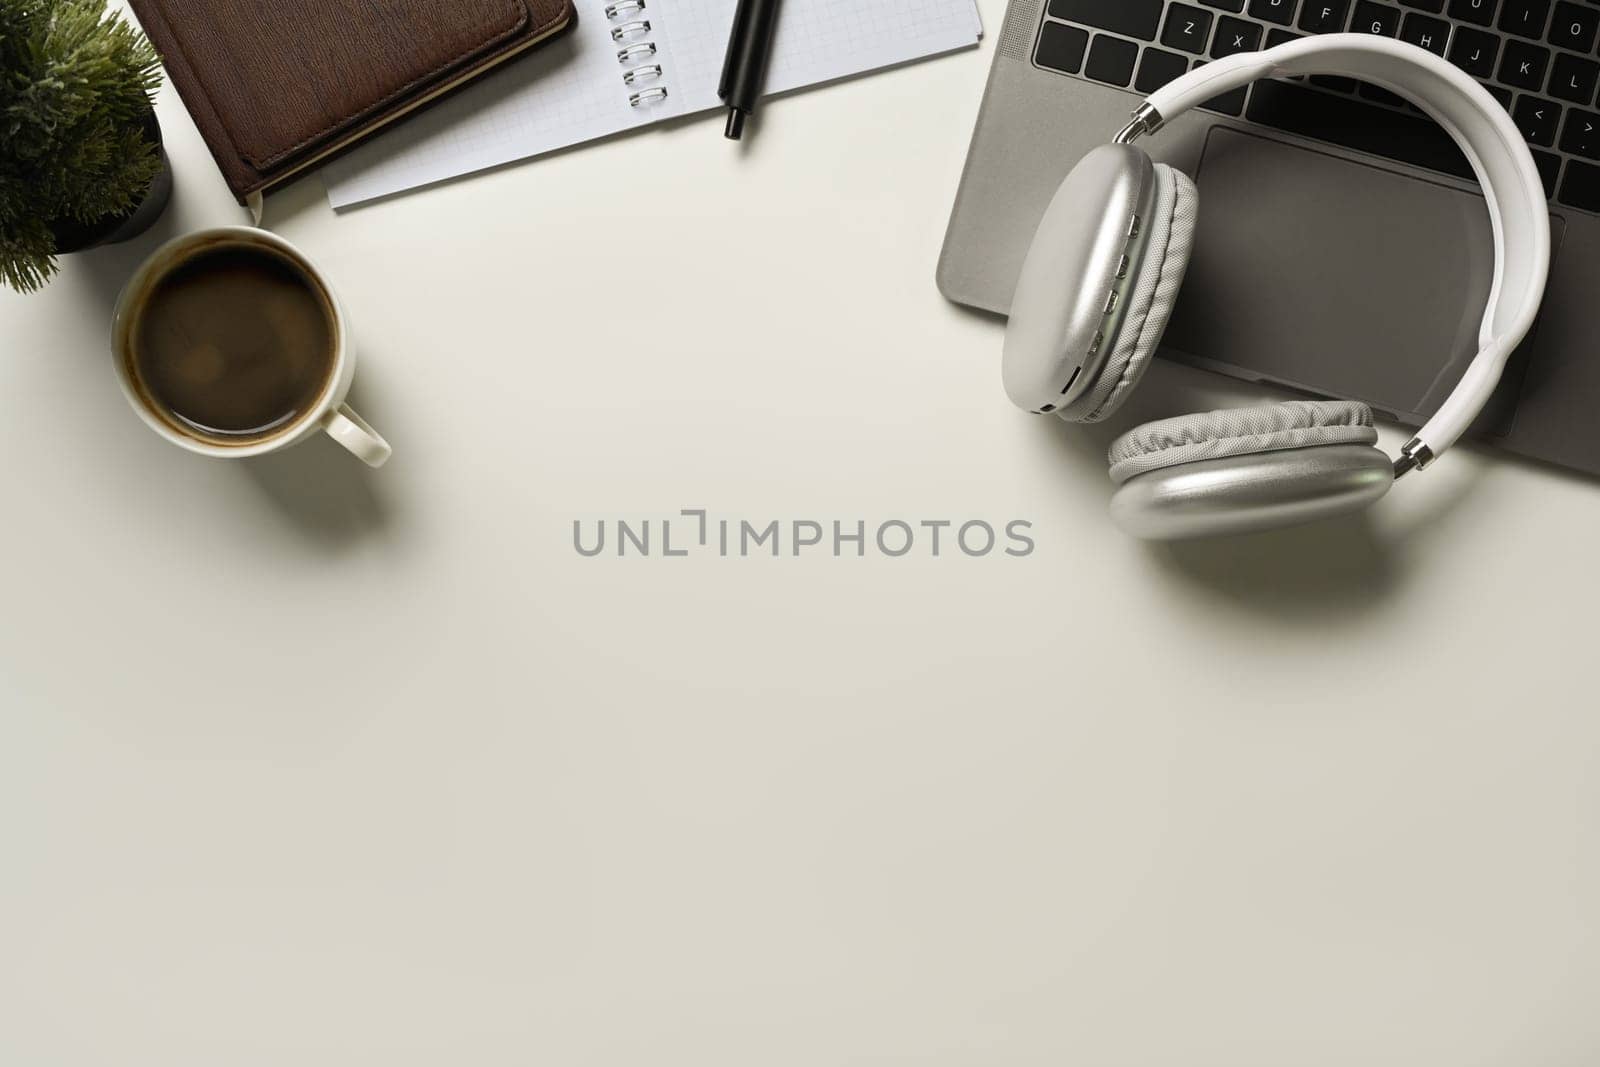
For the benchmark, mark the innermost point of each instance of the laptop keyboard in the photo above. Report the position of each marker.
(1539, 58)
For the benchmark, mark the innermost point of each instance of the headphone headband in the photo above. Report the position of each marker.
(1500, 159)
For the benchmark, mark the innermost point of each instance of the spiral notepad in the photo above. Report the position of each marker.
(639, 56)
(631, 63)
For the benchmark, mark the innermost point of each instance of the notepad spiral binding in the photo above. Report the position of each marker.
(630, 28)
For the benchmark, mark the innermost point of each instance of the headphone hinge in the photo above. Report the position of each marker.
(1414, 456)
(1146, 119)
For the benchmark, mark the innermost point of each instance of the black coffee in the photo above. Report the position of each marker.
(234, 344)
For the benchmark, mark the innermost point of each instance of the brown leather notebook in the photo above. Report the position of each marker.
(278, 86)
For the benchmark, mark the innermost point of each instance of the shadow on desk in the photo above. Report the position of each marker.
(108, 268)
(331, 499)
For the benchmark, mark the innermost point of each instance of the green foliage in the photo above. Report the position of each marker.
(75, 87)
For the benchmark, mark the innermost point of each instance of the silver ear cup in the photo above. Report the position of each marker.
(1151, 293)
(1242, 494)
(1072, 294)
(1227, 472)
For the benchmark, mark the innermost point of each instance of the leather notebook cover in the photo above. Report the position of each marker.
(278, 86)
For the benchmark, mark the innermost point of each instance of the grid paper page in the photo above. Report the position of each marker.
(817, 40)
(571, 90)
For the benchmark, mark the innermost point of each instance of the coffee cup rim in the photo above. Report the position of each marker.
(164, 259)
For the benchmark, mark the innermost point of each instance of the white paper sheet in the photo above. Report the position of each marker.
(571, 90)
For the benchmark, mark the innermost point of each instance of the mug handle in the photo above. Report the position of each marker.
(352, 431)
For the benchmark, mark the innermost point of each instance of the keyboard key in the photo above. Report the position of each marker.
(1549, 165)
(1375, 18)
(1425, 32)
(1334, 82)
(1157, 68)
(1581, 187)
(1235, 6)
(1379, 94)
(1537, 119)
(1399, 135)
(1525, 17)
(1474, 51)
(1110, 60)
(1523, 65)
(1500, 93)
(1480, 12)
(1061, 47)
(1187, 28)
(1574, 27)
(1279, 11)
(1131, 18)
(1574, 79)
(1234, 36)
(1229, 103)
(1324, 16)
(1434, 6)
(1580, 135)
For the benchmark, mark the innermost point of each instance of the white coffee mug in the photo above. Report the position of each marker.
(329, 414)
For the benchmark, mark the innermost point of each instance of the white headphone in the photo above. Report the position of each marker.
(1104, 269)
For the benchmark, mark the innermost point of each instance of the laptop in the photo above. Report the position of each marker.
(1343, 248)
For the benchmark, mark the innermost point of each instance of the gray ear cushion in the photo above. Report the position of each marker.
(1150, 303)
(1239, 432)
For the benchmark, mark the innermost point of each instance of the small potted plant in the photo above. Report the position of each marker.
(81, 160)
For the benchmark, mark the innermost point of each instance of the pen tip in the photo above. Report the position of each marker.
(735, 129)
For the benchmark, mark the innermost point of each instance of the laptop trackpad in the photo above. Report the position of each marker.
(1335, 277)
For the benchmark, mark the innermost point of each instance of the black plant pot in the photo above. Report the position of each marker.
(74, 236)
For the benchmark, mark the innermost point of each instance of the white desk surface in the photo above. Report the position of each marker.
(305, 764)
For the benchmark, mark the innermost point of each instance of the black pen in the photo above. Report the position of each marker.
(745, 69)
